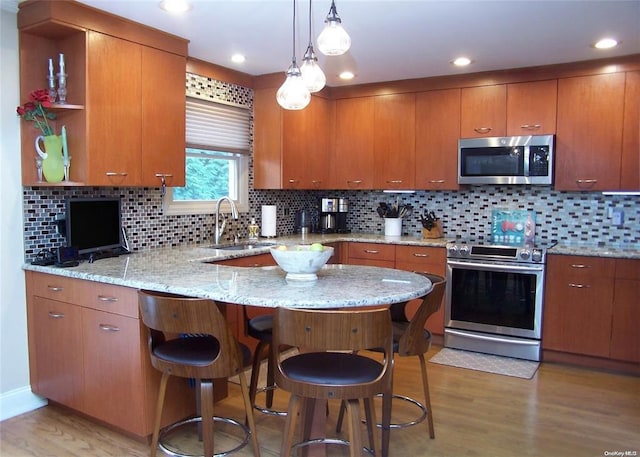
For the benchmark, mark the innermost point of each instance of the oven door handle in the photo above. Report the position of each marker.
(493, 338)
(493, 266)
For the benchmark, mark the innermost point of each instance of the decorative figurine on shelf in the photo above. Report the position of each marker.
(34, 111)
(53, 93)
(431, 225)
(62, 82)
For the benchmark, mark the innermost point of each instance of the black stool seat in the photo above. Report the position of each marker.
(331, 368)
(261, 327)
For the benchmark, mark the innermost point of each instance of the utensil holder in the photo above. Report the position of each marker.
(392, 226)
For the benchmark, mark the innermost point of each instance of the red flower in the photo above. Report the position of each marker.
(34, 110)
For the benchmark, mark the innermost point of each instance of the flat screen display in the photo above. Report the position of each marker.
(93, 225)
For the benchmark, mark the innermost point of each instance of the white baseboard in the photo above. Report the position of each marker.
(19, 401)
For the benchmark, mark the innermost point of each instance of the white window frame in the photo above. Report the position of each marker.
(240, 161)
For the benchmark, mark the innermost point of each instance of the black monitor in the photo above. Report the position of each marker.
(94, 225)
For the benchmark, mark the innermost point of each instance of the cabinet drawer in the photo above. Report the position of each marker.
(628, 269)
(372, 251)
(420, 254)
(107, 297)
(581, 269)
(53, 287)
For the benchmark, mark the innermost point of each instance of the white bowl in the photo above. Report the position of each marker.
(300, 262)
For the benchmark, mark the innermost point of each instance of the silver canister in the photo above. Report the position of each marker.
(343, 205)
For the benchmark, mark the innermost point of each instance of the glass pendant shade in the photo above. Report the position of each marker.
(333, 40)
(293, 94)
(312, 74)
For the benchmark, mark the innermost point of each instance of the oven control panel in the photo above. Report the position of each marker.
(463, 250)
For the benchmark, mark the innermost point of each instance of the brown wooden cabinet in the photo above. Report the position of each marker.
(531, 108)
(630, 169)
(88, 351)
(374, 254)
(578, 305)
(437, 134)
(119, 75)
(589, 132)
(625, 338)
(267, 140)
(353, 164)
(483, 111)
(394, 141)
(422, 259)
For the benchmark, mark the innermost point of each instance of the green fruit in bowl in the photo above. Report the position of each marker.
(316, 247)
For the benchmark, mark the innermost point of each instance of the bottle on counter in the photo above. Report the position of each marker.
(253, 230)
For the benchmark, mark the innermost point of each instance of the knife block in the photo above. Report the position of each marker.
(435, 232)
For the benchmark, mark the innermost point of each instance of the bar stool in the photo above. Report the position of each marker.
(208, 351)
(330, 367)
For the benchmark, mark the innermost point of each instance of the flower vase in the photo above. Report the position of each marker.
(52, 160)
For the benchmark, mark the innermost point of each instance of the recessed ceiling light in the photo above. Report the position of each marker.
(238, 58)
(175, 6)
(461, 61)
(605, 43)
(346, 75)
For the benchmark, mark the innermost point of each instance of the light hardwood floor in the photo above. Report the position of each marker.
(562, 411)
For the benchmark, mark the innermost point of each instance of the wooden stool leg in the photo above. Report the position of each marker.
(159, 406)
(255, 372)
(355, 437)
(248, 409)
(427, 397)
(290, 425)
(206, 406)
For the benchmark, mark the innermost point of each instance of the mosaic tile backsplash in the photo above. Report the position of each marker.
(565, 217)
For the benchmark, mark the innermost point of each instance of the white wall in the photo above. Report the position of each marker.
(15, 393)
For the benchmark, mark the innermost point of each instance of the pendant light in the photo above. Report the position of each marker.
(293, 94)
(333, 40)
(312, 74)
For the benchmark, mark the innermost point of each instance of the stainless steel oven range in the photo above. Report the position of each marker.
(494, 298)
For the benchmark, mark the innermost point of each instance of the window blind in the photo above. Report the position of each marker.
(216, 126)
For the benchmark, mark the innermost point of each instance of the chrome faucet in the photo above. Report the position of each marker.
(234, 212)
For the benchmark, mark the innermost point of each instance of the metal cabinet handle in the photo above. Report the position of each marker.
(108, 299)
(416, 254)
(293, 181)
(115, 173)
(55, 315)
(530, 126)
(55, 288)
(355, 181)
(586, 181)
(372, 251)
(436, 181)
(579, 286)
(108, 328)
(483, 129)
(580, 265)
(164, 175)
(395, 181)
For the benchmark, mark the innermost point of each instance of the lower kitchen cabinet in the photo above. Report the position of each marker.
(591, 307)
(88, 351)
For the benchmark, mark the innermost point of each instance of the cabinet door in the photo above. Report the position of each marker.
(531, 108)
(56, 351)
(625, 338)
(163, 118)
(437, 134)
(114, 137)
(578, 305)
(423, 260)
(114, 386)
(589, 132)
(306, 149)
(483, 111)
(267, 140)
(630, 170)
(353, 162)
(394, 141)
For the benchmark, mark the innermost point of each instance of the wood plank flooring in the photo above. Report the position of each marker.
(562, 411)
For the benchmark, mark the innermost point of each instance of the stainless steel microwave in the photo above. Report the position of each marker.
(506, 160)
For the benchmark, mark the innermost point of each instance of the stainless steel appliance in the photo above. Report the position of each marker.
(494, 298)
(333, 215)
(305, 221)
(506, 160)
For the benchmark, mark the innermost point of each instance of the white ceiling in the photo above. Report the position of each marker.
(397, 39)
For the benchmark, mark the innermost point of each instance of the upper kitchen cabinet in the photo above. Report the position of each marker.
(125, 109)
(630, 170)
(353, 162)
(394, 141)
(267, 140)
(531, 108)
(437, 134)
(483, 111)
(307, 145)
(589, 132)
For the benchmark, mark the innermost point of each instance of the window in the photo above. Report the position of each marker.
(217, 158)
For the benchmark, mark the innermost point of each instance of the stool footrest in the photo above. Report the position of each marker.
(327, 441)
(416, 421)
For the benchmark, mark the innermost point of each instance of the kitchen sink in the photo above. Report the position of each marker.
(241, 246)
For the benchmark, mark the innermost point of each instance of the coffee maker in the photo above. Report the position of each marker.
(333, 215)
(305, 221)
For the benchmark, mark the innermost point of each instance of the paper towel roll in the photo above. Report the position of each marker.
(268, 220)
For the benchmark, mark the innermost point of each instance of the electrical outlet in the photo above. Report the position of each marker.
(617, 217)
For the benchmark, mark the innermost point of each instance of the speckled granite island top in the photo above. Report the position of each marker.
(188, 270)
